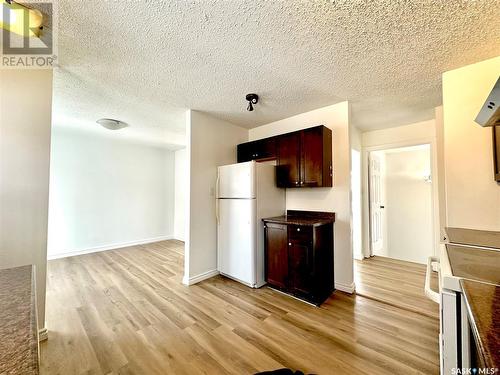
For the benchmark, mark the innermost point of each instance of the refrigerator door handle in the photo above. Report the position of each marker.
(217, 182)
(217, 211)
(217, 199)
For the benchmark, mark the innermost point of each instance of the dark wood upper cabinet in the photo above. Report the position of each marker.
(304, 157)
(245, 152)
(276, 254)
(288, 171)
(261, 150)
(316, 165)
(312, 160)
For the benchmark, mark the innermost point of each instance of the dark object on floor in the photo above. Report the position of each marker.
(281, 371)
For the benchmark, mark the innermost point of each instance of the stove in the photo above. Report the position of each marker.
(471, 255)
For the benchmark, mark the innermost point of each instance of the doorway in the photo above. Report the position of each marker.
(398, 210)
(401, 203)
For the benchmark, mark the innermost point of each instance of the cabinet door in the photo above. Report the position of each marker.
(300, 260)
(267, 149)
(300, 268)
(276, 255)
(263, 149)
(244, 152)
(288, 171)
(312, 157)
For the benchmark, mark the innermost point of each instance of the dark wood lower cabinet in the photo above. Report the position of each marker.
(276, 255)
(300, 269)
(299, 259)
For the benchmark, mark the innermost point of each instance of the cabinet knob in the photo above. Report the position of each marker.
(298, 229)
(296, 182)
(289, 244)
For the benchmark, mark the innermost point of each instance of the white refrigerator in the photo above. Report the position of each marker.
(246, 193)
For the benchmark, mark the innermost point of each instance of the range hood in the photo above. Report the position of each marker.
(489, 115)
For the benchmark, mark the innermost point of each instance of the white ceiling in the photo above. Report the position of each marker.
(145, 62)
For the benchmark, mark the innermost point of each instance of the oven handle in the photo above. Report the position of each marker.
(432, 295)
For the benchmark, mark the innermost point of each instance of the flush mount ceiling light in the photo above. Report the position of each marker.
(111, 124)
(252, 99)
(20, 19)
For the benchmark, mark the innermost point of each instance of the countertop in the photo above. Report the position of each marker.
(18, 321)
(308, 218)
(483, 303)
(474, 263)
(473, 237)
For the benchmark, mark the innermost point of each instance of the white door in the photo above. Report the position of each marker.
(376, 205)
(236, 180)
(236, 239)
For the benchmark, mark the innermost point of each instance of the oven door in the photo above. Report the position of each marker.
(454, 340)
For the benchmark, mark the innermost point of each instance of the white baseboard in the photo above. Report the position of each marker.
(347, 288)
(108, 247)
(200, 277)
(358, 256)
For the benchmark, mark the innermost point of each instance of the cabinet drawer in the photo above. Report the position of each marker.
(300, 234)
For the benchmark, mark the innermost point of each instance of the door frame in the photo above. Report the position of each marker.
(366, 243)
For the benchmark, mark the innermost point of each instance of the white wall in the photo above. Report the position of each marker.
(211, 143)
(407, 135)
(408, 204)
(107, 193)
(419, 132)
(472, 195)
(25, 118)
(181, 172)
(336, 199)
(356, 193)
(356, 221)
(441, 171)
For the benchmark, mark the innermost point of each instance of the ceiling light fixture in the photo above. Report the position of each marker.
(252, 99)
(112, 124)
(20, 19)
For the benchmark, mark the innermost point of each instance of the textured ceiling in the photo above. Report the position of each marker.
(145, 62)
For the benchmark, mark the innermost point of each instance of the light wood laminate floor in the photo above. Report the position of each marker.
(395, 282)
(126, 312)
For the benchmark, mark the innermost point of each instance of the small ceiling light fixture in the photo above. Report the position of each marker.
(252, 99)
(112, 124)
(19, 19)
